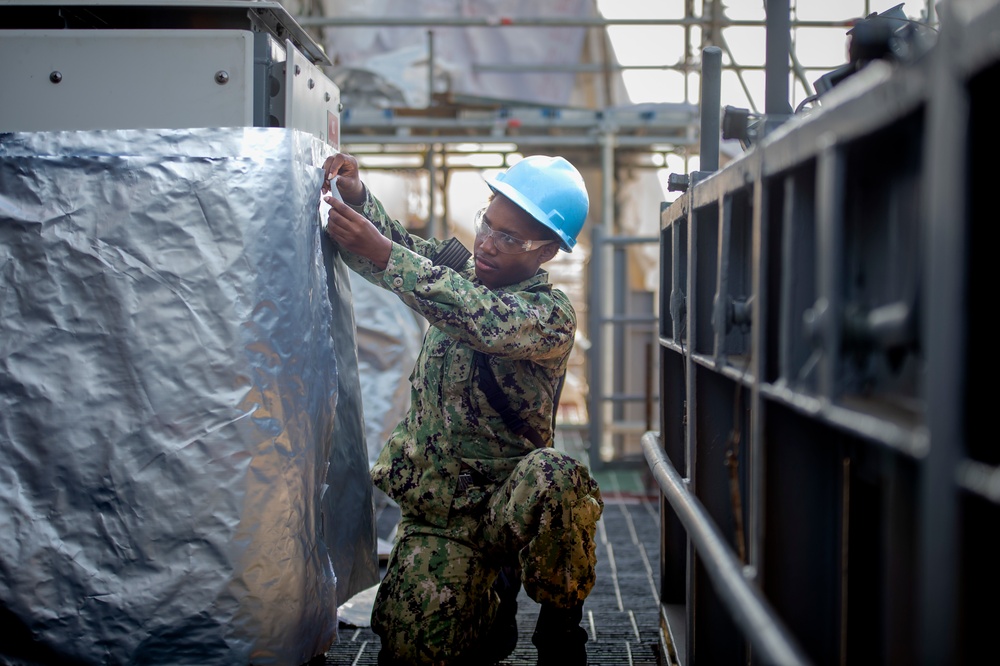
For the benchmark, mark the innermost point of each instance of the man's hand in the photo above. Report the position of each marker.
(352, 190)
(355, 233)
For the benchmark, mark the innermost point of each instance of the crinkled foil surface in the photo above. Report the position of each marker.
(183, 466)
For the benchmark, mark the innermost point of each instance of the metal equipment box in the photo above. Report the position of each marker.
(144, 65)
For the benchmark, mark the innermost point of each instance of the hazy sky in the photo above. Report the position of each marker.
(818, 49)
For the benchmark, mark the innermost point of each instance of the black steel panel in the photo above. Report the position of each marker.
(803, 530)
(720, 484)
(982, 215)
(665, 327)
(705, 240)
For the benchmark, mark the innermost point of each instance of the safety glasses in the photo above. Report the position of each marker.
(505, 242)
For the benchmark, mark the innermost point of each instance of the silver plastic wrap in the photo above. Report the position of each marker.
(183, 466)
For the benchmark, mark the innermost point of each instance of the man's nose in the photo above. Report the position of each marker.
(489, 239)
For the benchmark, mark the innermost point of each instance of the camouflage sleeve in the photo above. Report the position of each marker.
(391, 229)
(539, 324)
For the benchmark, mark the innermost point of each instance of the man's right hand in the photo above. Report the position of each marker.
(345, 166)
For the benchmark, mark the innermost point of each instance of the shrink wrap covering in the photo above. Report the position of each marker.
(183, 465)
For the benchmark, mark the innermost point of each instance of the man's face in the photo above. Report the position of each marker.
(497, 269)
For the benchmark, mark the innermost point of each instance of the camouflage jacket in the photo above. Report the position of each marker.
(526, 329)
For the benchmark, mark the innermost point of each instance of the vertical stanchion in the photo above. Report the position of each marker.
(711, 107)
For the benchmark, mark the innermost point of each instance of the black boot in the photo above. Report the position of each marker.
(502, 637)
(560, 639)
(387, 659)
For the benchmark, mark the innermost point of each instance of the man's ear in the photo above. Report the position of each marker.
(549, 251)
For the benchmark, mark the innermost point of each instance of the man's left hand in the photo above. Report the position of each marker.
(356, 233)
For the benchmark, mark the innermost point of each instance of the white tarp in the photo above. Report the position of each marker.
(463, 55)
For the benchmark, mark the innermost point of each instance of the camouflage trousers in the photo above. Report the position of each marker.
(436, 602)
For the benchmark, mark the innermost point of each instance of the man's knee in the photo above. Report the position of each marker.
(546, 471)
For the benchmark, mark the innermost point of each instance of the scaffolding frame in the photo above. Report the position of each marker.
(606, 139)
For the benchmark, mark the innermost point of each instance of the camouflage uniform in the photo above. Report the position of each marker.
(514, 501)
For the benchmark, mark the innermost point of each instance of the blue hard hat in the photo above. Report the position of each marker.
(551, 190)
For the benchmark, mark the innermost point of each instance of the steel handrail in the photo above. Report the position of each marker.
(772, 642)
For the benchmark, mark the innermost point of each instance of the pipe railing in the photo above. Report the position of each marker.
(771, 640)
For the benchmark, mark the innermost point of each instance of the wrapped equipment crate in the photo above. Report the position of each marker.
(183, 471)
